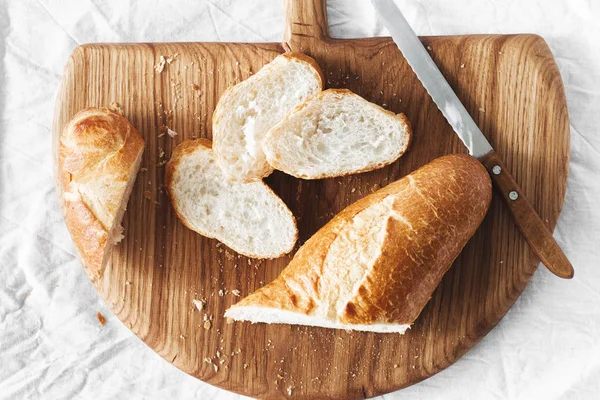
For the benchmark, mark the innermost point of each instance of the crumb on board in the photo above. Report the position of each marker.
(236, 292)
(199, 304)
(207, 324)
(101, 318)
(144, 169)
(375, 188)
(290, 389)
(221, 293)
(114, 106)
(171, 133)
(481, 109)
(148, 194)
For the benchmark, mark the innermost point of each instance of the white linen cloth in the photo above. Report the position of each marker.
(52, 346)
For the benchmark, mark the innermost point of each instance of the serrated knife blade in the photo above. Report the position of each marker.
(529, 222)
(432, 79)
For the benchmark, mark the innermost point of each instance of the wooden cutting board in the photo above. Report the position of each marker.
(509, 84)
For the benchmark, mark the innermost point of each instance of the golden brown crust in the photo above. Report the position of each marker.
(98, 151)
(440, 206)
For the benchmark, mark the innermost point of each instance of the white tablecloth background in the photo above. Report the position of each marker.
(52, 346)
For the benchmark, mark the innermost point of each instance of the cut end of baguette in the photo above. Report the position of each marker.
(375, 265)
(247, 217)
(247, 111)
(267, 315)
(336, 133)
(99, 156)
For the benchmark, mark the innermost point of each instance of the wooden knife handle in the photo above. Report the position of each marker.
(537, 234)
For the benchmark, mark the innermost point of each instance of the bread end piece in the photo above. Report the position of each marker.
(99, 156)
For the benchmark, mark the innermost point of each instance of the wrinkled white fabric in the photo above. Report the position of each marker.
(52, 346)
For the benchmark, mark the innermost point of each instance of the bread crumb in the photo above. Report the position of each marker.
(171, 133)
(208, 360)
(221, 292)
(181, 337)
(289, 390)
(148, 194)
(218, 353)
(353, 190)
(246, 366)
(215, 367)
(172, 58)
(161, 152)
(207, 324)
(161, 64)
(236, 292)
(462, 65)
(199, 304)
(481, 110)
(375, 188)
(114, 106)
(396, 365)
(143, 169)
(429, 48)
(101, 318)
(195, 86)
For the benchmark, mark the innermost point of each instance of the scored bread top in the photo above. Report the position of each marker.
(99, 155)
(380, 259)
(336, 133)
(247, 217)
(249, 109)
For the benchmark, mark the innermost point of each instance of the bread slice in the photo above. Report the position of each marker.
(336, 133)
(98, 160)
(248, 217)
(249, 109)
(376, 264)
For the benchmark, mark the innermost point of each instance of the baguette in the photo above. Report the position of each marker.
(99, 157)
(336, 133)
(249, 109)
(376, 264)
(247, 217)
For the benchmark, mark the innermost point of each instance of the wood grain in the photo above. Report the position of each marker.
(509, 84)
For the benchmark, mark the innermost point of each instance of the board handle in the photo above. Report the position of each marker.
(537, 234)
(305, 24)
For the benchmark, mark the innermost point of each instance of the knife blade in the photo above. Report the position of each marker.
(535, 232)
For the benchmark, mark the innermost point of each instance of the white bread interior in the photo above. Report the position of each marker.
(336, 133)
(247, 217)
(249, 109)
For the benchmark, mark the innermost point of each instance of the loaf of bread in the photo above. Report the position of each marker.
(249, 109)
(247, 217)
(336, 133)
(376, 264)
(98, 160)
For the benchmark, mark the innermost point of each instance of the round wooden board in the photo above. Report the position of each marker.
(509, 84)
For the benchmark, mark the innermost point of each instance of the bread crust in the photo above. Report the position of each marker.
(96, 145)
(344, 92)
(188, 147)
(441, 205)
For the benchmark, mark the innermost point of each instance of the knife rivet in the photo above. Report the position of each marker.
(496, 170)
(513, 195)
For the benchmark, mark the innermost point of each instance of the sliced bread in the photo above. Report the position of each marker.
(247, 217)
(376, 264)
(249, 109)
(98, 160)
(336, 133)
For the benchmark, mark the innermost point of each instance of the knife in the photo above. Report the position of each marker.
(536, 233)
